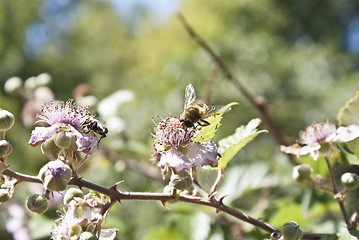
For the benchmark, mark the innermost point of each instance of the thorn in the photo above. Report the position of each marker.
(221, 200)
(164, 204)
(211, 196)
(114, 187)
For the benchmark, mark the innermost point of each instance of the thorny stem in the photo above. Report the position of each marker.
(21, 177)
(119, 196)
(258, 102)
(338, 196)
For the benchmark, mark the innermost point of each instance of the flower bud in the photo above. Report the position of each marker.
(4, 148)
(49, 148)
(4, 195)
(56, 183)
(71, 193)
(291, 231)
(55, 175)
(37, 203)
(350, 180)
(6, 120)
(12, 85)
(88, 236)
(64, 139)
(301, 172)
(75, 231)
(181, 181)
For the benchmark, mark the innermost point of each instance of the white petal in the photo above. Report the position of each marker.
(346, 134)
(108, 234)
(175, 159)
(203, 153)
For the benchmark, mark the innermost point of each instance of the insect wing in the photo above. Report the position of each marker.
(189, 96)
(217, 109)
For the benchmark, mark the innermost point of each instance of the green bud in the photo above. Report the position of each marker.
(4, 195)
(350, 180)
(291, 231)
(181, 181)
(37, 203)
(64, 139)
(88, 236)
(7, 120)
(75, 232)
(4, 148)
(71, 193)
(49, 148)
(55, 175)
(301, 172)
(53, 184)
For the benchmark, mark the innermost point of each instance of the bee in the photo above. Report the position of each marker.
(94, 125)
(196, 112)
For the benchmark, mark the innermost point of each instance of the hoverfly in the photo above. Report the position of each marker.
(196, 112)
(94, 125)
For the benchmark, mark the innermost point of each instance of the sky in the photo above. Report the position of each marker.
(58, 15)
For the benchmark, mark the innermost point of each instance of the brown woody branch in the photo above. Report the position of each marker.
(258, 102)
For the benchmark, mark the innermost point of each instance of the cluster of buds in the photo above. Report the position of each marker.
(7, 185)
(7, 120)
(64, 130)
(81, 219)
(63, 138)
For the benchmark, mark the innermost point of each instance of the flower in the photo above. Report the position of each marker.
(316, 138)
(84, 213)
(64, 117)
(173, 147)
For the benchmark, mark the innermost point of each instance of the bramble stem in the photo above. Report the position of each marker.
(21, 177)
(116, 195)
(336, 195)
(258, 102)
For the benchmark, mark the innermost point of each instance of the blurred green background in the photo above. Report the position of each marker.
(301, 56)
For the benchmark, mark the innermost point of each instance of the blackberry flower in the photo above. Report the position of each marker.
(83, 214)
(64, 117)
(316, 138)
(173, 147)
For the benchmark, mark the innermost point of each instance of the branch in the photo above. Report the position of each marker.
(21, 177)
(258, 102)
(338, 195)
(116, 195)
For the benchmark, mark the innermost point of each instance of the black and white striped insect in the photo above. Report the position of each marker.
(91, 124)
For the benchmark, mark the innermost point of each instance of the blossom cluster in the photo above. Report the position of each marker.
(65, 117)
(82, 216)
(316, 139)
(173, 148)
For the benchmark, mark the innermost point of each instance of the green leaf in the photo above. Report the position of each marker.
(349, 114)
(207, 132)
(230, 146)
(347, 158)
